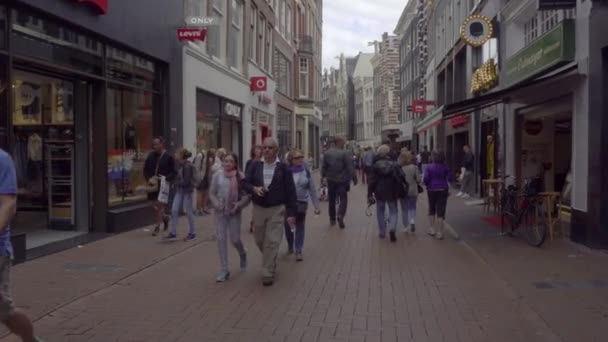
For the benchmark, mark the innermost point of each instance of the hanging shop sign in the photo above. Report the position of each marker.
(191, 34)
(485, 77)
(264, 99)
(419, 106)
(476, 30)
(459, 120)
(258, 83)
(533, 127)
(549, 51)
(548, 5)
(100, 5)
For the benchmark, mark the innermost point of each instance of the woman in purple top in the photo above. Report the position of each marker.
(437, 178)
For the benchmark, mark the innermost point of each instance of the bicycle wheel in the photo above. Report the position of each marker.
(534, 225)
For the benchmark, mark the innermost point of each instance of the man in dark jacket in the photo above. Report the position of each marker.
(337, 171)
(273, 191)
(159, 163)
(386, 186)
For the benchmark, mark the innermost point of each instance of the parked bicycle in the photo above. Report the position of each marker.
(524, 209)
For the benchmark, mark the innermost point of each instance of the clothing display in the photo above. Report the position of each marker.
(34, 147)
(28, 104)
(64, 103)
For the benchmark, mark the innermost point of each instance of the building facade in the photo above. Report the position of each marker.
(86, 99)
(387, 85)
(363, 81)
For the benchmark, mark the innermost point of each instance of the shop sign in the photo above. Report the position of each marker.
(459, 120)
(232, 109)
(533, 127)
(547, 5)
(258, 83)
(191, 34)
(419, 106)
(263, 98)
(100, 5)
(550, 50)
(430, 120)
(476, 30)
(484, 78)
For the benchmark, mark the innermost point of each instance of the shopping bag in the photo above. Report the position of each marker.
(165, 189)
(461, 176)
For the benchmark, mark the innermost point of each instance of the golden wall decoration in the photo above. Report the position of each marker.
(485, 77)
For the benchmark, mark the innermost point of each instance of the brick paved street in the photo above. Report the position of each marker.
(351, 287)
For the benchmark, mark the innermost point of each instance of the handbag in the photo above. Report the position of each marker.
(154, 181)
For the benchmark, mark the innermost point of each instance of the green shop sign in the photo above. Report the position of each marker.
(552, 49)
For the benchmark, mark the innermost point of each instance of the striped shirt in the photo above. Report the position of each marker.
(269, 172)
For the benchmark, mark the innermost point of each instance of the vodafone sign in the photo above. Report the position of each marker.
(100, 5)
(258, 83)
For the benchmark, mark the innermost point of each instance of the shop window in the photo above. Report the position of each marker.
(214, 33)
(207, 121)
(303, 77)
(282, 73)
(45, 39)
(129, 68)
(3, 23)
(252, 33)
(130, 123)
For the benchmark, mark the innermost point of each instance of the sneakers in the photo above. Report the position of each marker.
(243, 262)
(406, 230)
(156, 231)
(190, 237)
(459, 194)
(290, 251)
(222, 276)
(431, 232)
(170, 236)
(268, 281)
(299, 257)
(439, 236)
(332, 223)
(393, 236)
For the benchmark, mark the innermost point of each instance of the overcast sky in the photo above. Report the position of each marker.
(348, 25)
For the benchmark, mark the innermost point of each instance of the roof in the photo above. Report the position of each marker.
(351, 63)
(406, 16)
(364, 66)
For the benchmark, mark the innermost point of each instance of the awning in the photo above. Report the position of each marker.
(430, 120)
(490, 99)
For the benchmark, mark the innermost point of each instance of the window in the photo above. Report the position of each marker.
(267, 48)
(288, 24)
(303, 77)
(214, 33)
(281, 13)
(252, 34)
(261, 35)
(130, 130)
(235, 41)
(282, 73)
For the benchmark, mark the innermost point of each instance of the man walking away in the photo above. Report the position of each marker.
(466, 188)
(270, 182)
(368, 162)
(425, 157)
(17, 322)
(337, 170)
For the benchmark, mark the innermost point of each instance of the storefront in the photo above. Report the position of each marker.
(218, 123)
(457, 135)
(82, 111)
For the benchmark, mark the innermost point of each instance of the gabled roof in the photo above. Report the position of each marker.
(364, 66)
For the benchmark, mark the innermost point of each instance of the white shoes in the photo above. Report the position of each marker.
(459, 194)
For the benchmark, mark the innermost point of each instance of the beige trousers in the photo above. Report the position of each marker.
(268, 224)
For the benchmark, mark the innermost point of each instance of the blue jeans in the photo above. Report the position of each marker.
(185, 199)
(408, 209)
(299, 235)
(393, 215)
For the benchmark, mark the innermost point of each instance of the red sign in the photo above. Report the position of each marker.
(101, 5)
(191, 34)
(258, 83)
(459, 120)
(265, 99)
(533, 127)
(419, 106)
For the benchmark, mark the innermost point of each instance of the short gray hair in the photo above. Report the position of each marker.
(383, 150)
(271, 141)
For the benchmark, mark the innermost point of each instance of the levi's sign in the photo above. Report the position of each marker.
(549, 51)
(191, 34)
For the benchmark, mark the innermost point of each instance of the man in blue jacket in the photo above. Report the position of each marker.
(273, 191)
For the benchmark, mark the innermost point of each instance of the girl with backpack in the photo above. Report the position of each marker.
(305, 190)
(184, 183)
(228, 199)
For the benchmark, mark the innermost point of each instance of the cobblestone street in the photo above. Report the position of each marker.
(350, 287)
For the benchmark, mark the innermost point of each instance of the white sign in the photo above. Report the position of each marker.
(232, 110)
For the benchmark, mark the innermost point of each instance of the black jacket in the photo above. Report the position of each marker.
(282, 190)
(386, 179)
(468, 160)
(166, 166)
